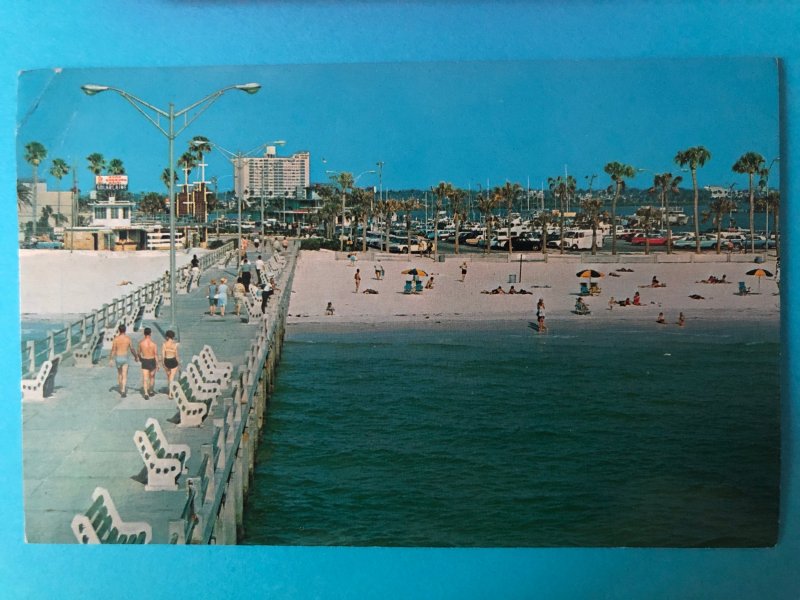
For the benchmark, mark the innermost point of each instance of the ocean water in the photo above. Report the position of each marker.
(481, 435)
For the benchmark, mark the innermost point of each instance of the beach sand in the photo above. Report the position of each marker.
(62, 283)
(321, 278)
(56, 283)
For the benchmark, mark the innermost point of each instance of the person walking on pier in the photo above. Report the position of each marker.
(222, 296)
(259, 270)
(169, 358)
(246, 274)
(147, 358)
(212, 297)
(119, 357)
(238, 295)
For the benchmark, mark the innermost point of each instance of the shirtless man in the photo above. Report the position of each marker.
(147, 356)
(119, 356)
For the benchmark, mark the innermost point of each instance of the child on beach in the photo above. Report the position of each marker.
(329, 309)
(660, 319)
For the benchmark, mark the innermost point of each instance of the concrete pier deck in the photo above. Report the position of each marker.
(81, 437)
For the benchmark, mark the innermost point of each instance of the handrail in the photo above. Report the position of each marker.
(60, 342)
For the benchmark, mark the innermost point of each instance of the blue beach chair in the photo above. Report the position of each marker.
(743, 289)
(418, 289)
(407, 289)
(584, 289)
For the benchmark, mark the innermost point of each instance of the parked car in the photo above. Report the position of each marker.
(655, 239)
(523, 243)
(707, 242)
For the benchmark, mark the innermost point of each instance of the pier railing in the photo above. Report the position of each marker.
(217, 497)
(61, 342)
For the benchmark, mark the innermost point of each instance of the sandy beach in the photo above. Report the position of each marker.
(321, 278)
(55, 284)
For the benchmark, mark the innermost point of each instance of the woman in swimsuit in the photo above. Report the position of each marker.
(169, 358)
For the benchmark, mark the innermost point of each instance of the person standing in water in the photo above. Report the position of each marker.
(540, 315)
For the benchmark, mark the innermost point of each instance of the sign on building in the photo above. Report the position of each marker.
(111, 182)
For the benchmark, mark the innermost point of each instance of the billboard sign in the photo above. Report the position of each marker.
(111, 182)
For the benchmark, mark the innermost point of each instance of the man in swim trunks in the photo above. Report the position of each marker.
(147, 357)
(119, 357)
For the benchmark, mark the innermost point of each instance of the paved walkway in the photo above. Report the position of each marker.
(82, 436)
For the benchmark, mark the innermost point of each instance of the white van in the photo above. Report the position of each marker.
(578, 239)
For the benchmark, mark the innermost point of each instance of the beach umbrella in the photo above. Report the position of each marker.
(759, 273)
(415, 271)
(588, 274)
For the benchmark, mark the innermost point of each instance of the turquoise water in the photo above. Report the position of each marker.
(497, 436)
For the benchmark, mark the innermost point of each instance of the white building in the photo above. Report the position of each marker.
(272, 176)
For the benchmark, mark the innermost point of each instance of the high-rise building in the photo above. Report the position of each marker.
(271, 176)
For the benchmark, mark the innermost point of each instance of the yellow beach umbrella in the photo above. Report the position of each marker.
(588, 274)
(759, 272)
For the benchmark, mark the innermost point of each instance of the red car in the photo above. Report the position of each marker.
(656, 239)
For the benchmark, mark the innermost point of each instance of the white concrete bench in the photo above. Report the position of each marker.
(101, 524)
(151, 308)
(85, 355)
(191, 412)
(200, 389)
(164, 461)
(211, 369)
(41, 386)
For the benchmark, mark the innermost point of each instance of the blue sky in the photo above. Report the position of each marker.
(463, 122)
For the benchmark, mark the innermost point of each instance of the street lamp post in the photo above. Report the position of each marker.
(143, 107)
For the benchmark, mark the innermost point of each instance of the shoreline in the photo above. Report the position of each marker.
(739, 327)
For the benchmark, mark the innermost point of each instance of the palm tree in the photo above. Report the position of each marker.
(344, 181)
(592, 208)
(562, 188)
(486, 205)
(750, 163)
(97, 163)
(165, 177)
(443, 191)
(457, 205)
(187, 162)
(152, 203)
(694, 157)
(619, 172)
(717, 210)
(663, 185)
(407, 206)
(58, 169)
(115, 167)
(35, 153)
(544, 221)
(23, 195)
(647, 215)
(390, 208)
(509, 194)
(199, 146)
(359, 210)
